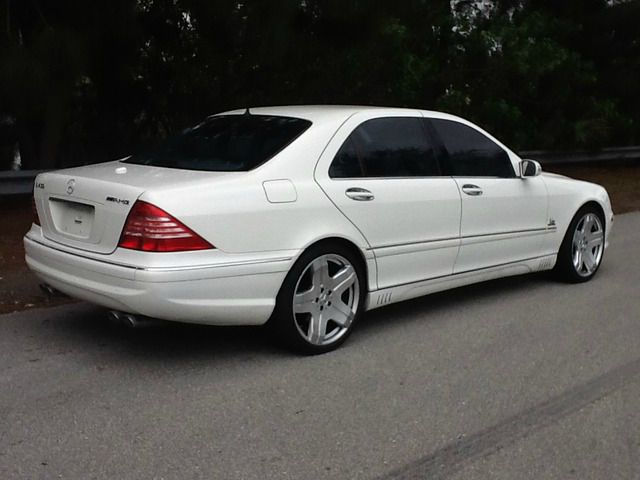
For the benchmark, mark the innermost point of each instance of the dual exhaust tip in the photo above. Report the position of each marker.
(129, 320)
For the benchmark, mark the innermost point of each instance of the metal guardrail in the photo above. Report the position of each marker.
(14, 182)
(604, 155)
(21, 181)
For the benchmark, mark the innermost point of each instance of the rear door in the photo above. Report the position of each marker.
(382, 173)
(504, 216)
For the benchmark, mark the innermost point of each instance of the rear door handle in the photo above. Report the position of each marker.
(360, 194)
(472, 190)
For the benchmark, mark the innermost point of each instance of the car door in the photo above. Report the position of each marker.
(504, 216)
(383, 175)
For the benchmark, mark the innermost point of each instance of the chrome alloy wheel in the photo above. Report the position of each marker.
(587, 245)
(326, 299)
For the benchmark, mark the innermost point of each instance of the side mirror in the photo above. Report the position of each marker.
(530, 168)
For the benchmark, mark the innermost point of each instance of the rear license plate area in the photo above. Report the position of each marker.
(72, 218)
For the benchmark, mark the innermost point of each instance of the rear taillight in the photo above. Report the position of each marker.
(151, 229)
(34, 210)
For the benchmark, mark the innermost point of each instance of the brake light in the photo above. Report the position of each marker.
(34, 210)
(151, 229)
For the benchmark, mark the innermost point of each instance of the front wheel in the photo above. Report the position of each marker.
(582, 249)
(320, 300)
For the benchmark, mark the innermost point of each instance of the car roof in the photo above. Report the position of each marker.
(324, 113)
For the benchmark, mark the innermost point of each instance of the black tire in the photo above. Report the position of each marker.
(565, 269)
(283, 323)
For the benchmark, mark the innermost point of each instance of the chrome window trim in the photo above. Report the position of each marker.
(490, 177)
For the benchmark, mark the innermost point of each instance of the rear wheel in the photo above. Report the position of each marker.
(320, 299)
(582, 249)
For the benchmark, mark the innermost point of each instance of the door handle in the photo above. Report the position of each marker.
(360, 194)
(472, 190)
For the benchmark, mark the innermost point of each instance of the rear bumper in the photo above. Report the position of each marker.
(240, 293)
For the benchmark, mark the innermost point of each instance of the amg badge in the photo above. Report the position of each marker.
(120, 201)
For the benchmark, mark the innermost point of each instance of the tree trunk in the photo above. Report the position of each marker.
(51, 133)
(27, 145)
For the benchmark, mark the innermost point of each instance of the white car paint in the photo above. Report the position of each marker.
(505, 224)
(418, 235)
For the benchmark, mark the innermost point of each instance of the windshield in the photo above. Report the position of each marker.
(226, 143)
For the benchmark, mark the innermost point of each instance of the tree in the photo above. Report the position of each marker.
(539, 72)
(83, 82)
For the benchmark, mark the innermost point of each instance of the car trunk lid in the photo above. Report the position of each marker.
(87, 207)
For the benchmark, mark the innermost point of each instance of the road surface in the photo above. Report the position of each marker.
(521, 378)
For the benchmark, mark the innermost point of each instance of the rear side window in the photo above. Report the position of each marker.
(386, 147)
(469, 153)
(227, 143)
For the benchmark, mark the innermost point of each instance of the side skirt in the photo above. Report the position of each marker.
(386, 296)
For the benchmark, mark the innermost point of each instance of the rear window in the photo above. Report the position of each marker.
(227, 143)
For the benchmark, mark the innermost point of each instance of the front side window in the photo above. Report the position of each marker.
(226, 143)
(469, 153)
(386, 147)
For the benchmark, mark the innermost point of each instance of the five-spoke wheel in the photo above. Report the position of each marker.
(326, 299)
(320, 299)
(588, 244)
(581, 251)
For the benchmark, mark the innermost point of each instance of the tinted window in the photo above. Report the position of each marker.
(386, 147)
(470, 153)
(229, 143)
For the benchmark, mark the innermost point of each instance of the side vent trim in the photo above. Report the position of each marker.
(384, 298)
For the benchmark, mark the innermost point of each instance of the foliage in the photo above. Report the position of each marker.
(82, 82)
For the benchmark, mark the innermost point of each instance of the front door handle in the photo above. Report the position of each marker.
(360, 194)
(472, 190)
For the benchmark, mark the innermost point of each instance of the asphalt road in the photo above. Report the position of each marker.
(518, 378)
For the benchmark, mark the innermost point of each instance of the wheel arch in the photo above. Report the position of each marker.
(597, 206)
(586, 203)
(367, 263)
(350, 245)
(594, 203)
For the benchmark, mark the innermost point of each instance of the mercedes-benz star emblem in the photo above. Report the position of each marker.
(70, 186)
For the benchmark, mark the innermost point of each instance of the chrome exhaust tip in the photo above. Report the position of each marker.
(49, 291)
(129, 320)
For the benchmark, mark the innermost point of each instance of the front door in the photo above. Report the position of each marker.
(504, 216)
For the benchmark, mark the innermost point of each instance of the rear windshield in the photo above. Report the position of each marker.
(227, 143)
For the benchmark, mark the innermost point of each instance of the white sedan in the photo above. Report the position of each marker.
(306, 217)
